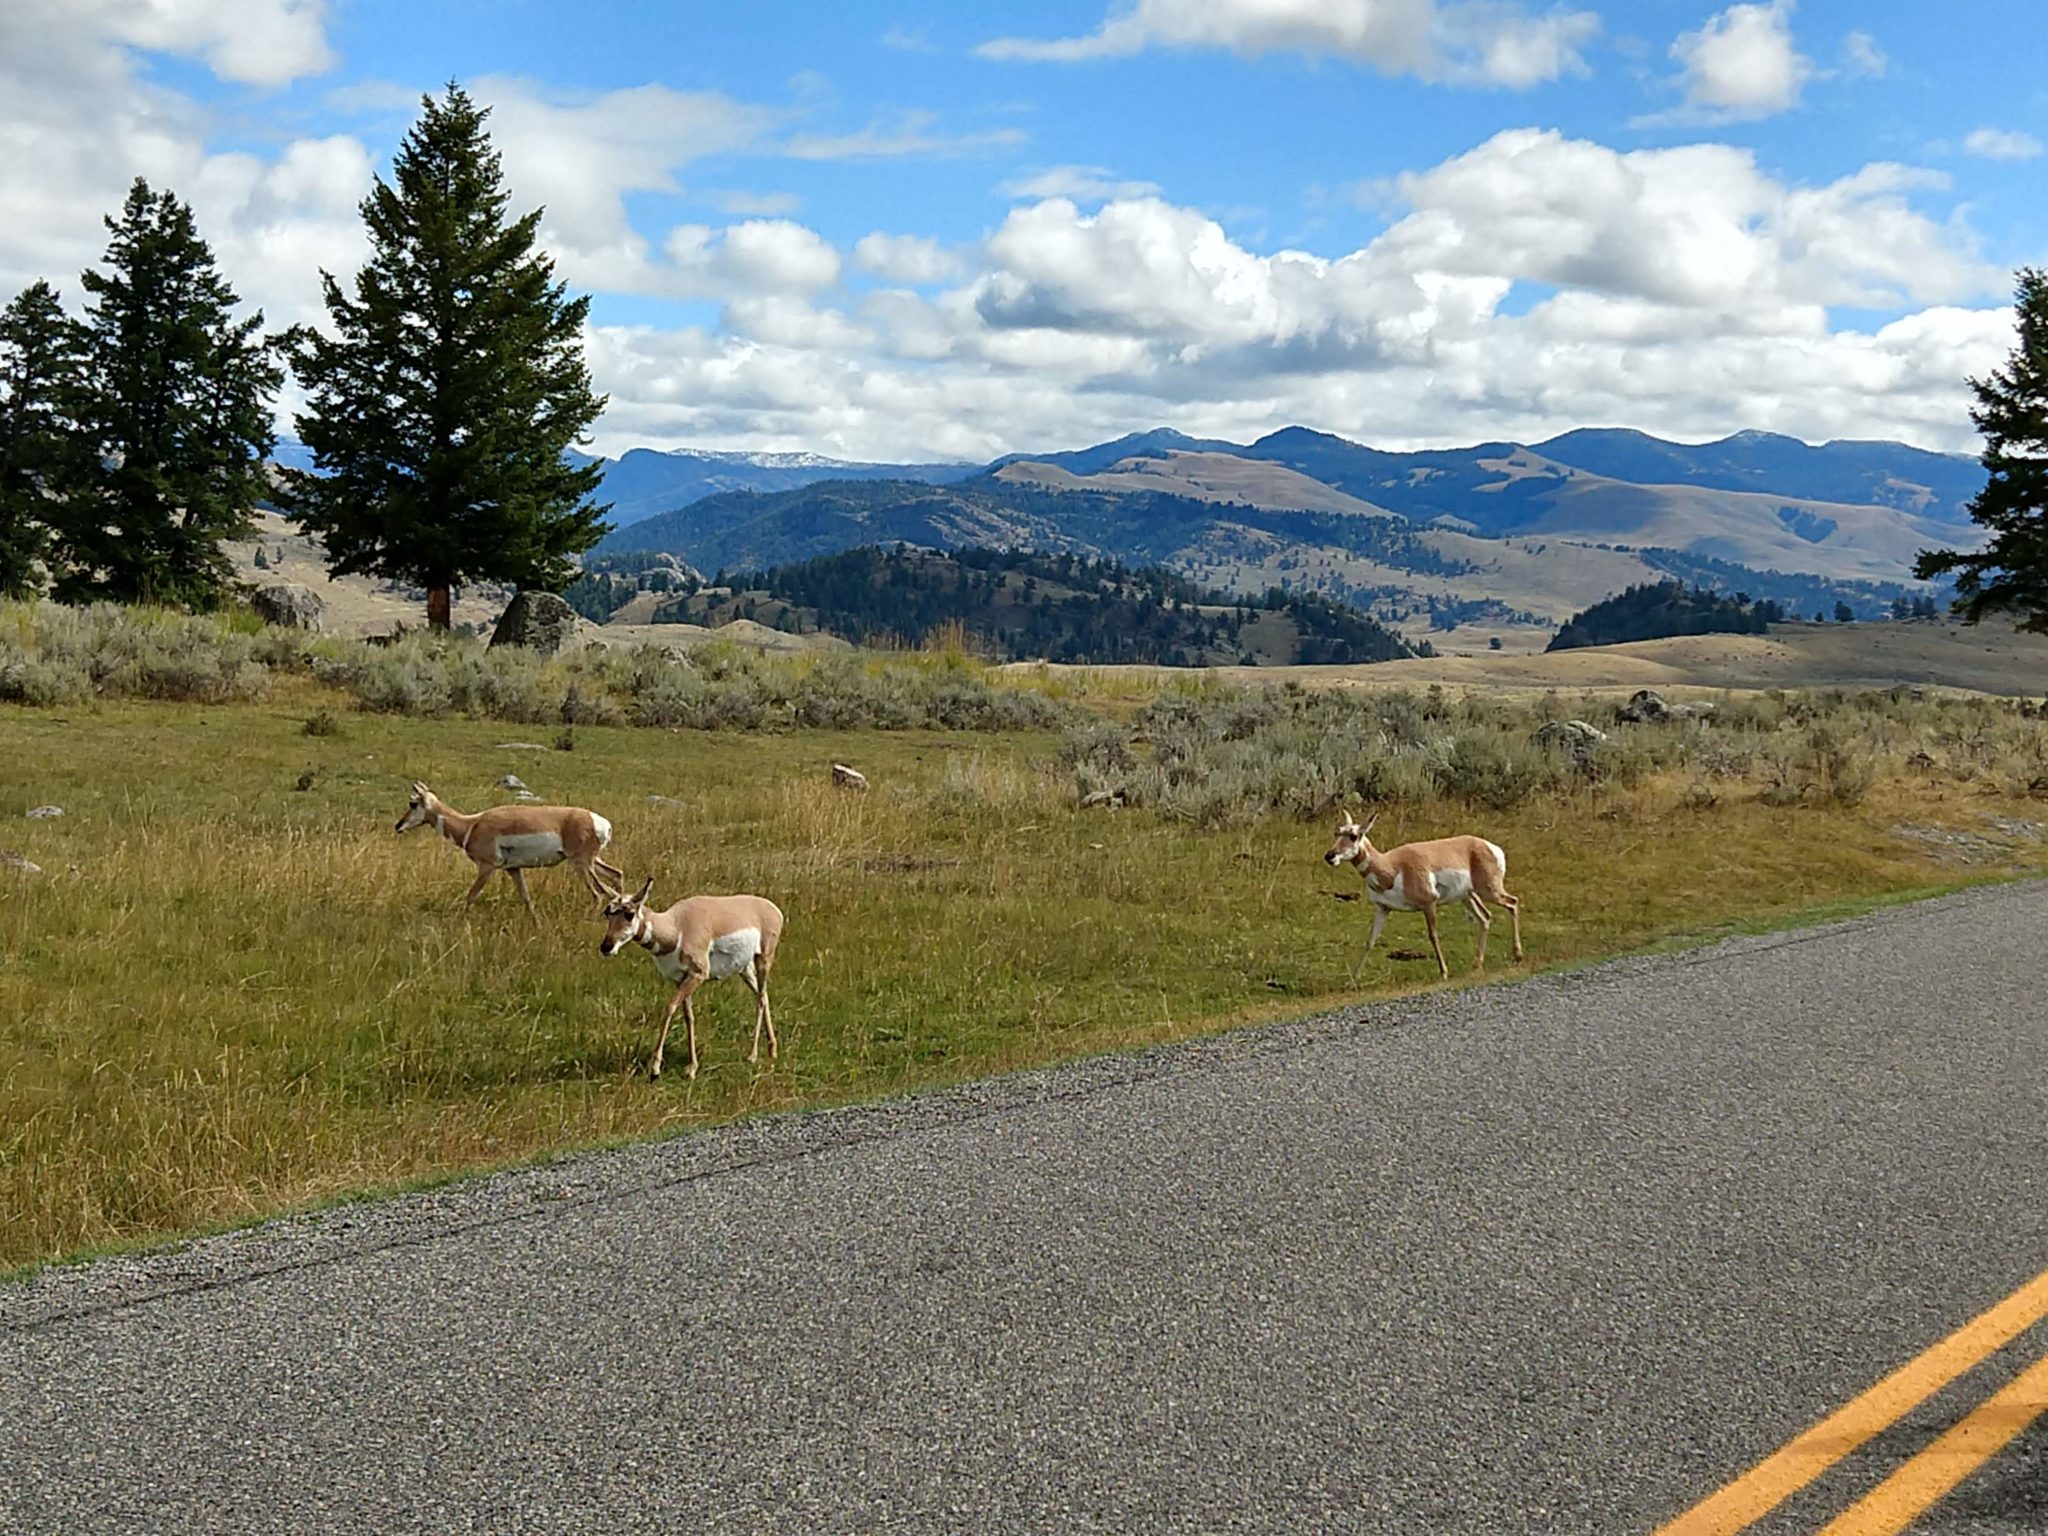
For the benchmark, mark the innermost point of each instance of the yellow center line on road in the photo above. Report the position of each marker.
(1777, 1477)
(1907, 1494)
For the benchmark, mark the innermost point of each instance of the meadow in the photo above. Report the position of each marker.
(233, 991)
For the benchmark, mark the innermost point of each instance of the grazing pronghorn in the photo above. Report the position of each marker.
(516, 838)
(700, 939)
(1417, 877)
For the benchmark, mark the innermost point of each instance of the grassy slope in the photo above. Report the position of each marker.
(1988, 658)
(250, 997)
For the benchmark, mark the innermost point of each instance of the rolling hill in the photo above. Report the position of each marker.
(644, 482)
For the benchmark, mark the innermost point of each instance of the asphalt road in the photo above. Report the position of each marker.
(1558, 1256)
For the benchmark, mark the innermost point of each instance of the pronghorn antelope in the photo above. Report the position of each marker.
(703, 938)
(516, 838)
(1418, 877)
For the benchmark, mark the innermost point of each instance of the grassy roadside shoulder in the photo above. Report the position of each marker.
(250, 997)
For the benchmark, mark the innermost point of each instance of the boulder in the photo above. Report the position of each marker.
(289, 606)
(1647, 707)
(1575, 738)
(46, 813)
(538, 621)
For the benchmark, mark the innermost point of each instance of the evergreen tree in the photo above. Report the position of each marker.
(175, 417)
(40, 457)
(2010, 573)
(441, 406)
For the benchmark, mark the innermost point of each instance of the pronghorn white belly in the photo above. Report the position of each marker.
(1442, 885)
(1452, 884)
(734, 952)
(1393, 897)
(529, 850)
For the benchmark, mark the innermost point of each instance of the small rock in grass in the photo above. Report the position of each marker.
(9, 859)
(848, 778)
(666, 802)
(511, 781)
(525, 795)
(46, 813)
(521, 746)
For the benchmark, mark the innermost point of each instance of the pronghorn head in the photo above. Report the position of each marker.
(624, 920)
(419, 810)
(1352, 839)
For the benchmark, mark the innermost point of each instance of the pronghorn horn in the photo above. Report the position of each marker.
(1368, 826)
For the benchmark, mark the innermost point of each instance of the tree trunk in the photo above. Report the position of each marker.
(440, 607)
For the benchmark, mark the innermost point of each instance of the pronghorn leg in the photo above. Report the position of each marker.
(754, 986)
(680, 1000)
(690, 1024)
(1485, 924)
(482, 875)
(615, 876)
(1379, 921)
(757, 978)
(596, 887)
(519, 881)
(1436, 943)
(1514, 907)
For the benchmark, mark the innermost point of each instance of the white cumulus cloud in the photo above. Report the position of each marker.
(905, 258)
(2002, 144)
(1743, 64)
(1488, 41)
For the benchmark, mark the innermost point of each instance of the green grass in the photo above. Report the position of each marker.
(229, 996)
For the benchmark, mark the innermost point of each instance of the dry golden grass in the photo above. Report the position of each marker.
(229, 996)
(1988, 658)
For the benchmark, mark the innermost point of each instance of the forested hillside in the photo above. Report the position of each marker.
(1020, 605)
(1666, 608)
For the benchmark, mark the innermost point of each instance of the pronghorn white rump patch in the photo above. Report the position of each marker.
(734, 952)
(603, 829)
(529, 850)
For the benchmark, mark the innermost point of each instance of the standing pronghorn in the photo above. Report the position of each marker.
(700, 939)
(516, 838)
(1416, 877)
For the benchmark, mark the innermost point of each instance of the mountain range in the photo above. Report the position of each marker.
(1496, 534)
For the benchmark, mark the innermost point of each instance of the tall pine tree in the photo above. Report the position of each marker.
(41, 451)
(176, 413)
(2010, 573)
(439, 409)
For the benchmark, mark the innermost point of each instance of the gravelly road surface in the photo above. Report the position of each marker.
(1556, 1256)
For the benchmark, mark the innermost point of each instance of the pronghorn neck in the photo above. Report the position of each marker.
(452, 824)
(1367, 860)
(649, 936)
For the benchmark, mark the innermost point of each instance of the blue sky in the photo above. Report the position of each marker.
(903, 230)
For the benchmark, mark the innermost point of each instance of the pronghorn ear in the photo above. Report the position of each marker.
(645, 891)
